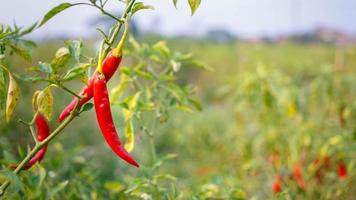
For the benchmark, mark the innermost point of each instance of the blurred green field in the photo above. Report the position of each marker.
(266, 109)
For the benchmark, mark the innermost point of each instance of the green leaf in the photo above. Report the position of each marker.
(143, 74)
(45, 67)
(87, 107)
(57, 189)
(114, 186)
(61, 59)
(194, 4)
(42, 174)
(162, 48)
(33, 79)
(268, 98)
(75, 48)
(54, 11)
(78, 71)
(16, 183)
(28, 30)
(160, 161)
(184, 108)
(176, 92)
(196, 104)
(140, 6)
(175, 3)
(27, 44)
(168, 77)
(199, 64)
(21, 52)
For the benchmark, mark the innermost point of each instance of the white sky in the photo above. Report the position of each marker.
(243, 17)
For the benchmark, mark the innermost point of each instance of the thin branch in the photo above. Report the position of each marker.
(32, 130)
(119, 25)
(69, 91)
(101, 9)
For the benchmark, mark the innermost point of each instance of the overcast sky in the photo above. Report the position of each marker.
(248, 18)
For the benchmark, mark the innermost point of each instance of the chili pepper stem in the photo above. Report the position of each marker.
(119, 25)
(32, 131)
(23, 122)
(119, 48)
(101, 57)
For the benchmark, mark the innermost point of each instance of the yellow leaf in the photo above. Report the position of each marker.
(335, 140)
(114, 186)
(130, 138)
(133, 102)
(132, 105)
(13, 95)
(162, 48)
(324, 150)
(34, 100)
(45, 102)
(291, 110)
(185, 109)
(119, 89)
(194, 4)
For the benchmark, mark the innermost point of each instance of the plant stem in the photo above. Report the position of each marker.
(153, 150)
(70, 91)
(101, 9)
(119, 26)
(32, 130)
(152, 143)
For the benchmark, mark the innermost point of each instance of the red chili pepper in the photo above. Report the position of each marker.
(105, 121)
(277, 184)
(342, 170)
(42, 133)
(108, 68)
(110, 65)
(298, 176)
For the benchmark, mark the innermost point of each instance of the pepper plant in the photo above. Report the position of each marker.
(148, 88)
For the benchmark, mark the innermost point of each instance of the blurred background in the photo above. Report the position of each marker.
(281, 97)
(252, 19)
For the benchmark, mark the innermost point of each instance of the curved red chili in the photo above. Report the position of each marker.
(105, 120)
(42, 133)
(108, 68)
(342, 170)
(298, 176)
(277, 184)
(110, 65)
